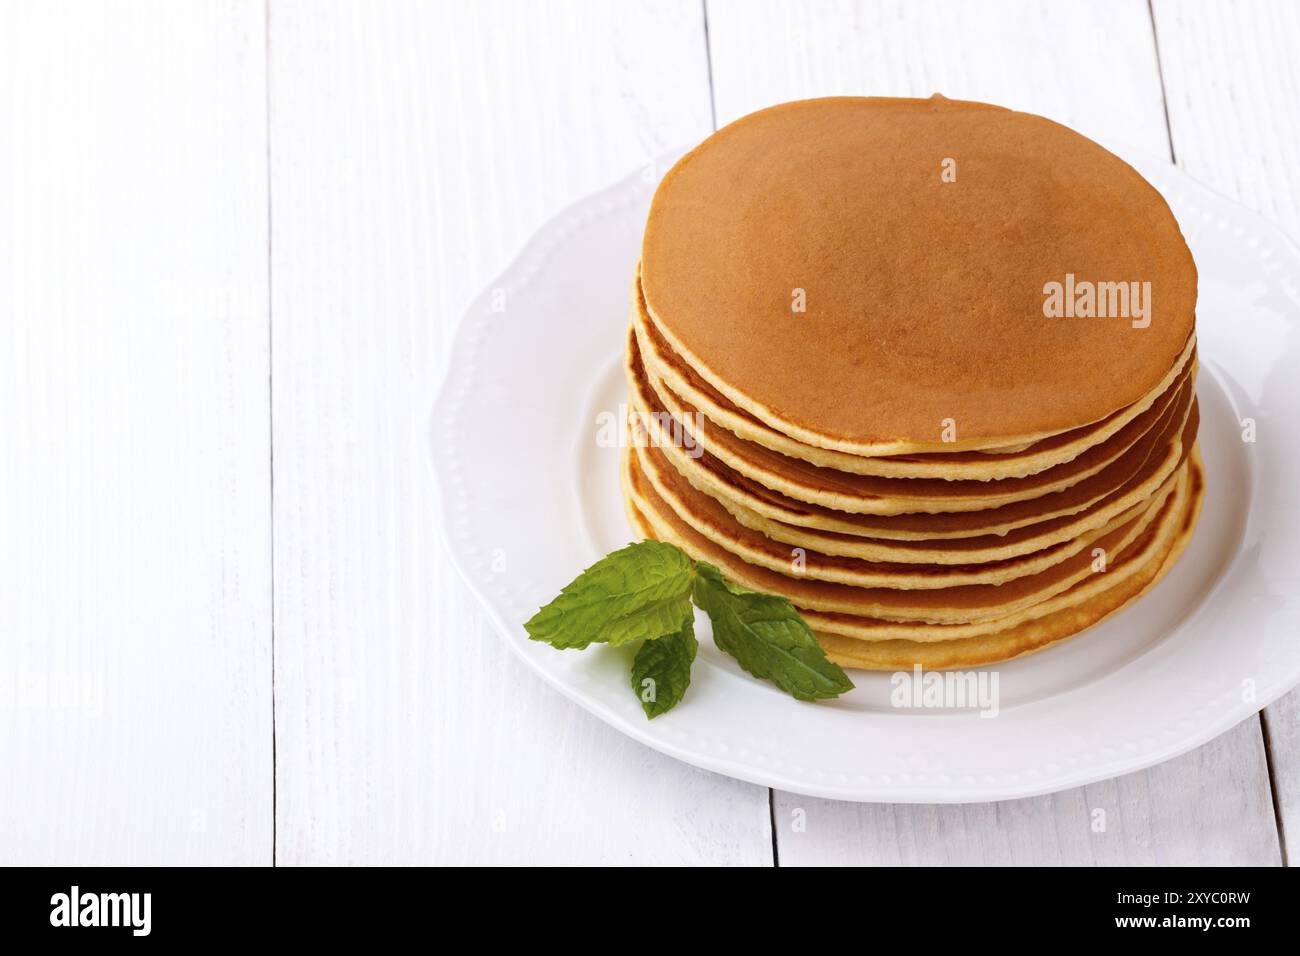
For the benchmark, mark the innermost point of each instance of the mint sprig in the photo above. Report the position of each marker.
(644, 593)
(639, 593)
(661, 670)
(767, 637)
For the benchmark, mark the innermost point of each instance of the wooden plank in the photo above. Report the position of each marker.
(135, 669)
(1233, 83)
(1180, 813)
(764, 53)
(1282, 738)
(414, 148)
(1009, 53)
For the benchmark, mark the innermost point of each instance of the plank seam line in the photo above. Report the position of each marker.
(771, 821)
(270, 406)
(1279, 818)
(708, 63)
(1160, 73)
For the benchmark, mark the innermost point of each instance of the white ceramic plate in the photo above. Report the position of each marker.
(529, 499)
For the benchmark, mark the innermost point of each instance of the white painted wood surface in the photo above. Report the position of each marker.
(1209, 807)
(415, 147)
(135, 575)
(1089, 65)
(181, 296)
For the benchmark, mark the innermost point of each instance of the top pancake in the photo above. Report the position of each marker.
(666, 367)
(924, 298)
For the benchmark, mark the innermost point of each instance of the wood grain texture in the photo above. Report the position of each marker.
(1093, 67)
(1282, 736)
(135, 670)
(1010, 53)
(1179, 813)
(414, 148)
(1233, 87)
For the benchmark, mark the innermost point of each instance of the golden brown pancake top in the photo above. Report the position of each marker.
(924, 298)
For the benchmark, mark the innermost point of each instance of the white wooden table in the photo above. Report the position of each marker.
(235, 239)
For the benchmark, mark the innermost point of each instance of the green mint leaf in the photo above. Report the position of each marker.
(640, 592)
(661, 671)
(767, 637)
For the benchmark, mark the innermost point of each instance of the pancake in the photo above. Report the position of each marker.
(924, 298)
(1163, 455)
(868, 629)
(866, 494)
(1088, 604)
(714, 522)
(1095, 598)
(725, 484)
(941, 606)
(858, 494)
(666, 367)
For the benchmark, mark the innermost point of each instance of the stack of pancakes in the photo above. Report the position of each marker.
(846, 389)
